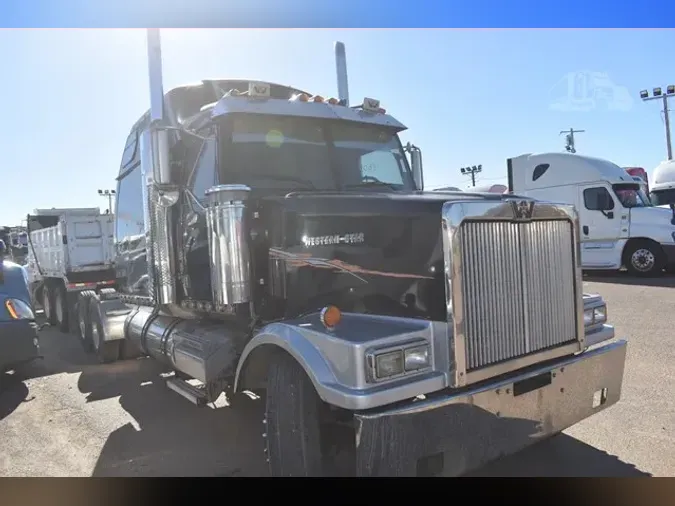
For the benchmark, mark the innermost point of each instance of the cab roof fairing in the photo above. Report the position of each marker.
(317, 110)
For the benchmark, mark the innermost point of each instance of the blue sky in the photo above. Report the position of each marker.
(467, 96)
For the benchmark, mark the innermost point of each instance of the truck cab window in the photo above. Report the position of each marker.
(631, 195)
(598, 199)
(663, 197)
(130, 150)
(130, 207)
(205, 174)
(367, 154)
(268, 152)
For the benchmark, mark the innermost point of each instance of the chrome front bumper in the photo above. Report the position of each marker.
(465, 429)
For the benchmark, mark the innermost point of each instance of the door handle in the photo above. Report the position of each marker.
(585, 229)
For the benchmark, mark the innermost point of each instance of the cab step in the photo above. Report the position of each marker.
(192, 393)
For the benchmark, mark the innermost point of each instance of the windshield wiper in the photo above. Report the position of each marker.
(279, 177)
(371, 184)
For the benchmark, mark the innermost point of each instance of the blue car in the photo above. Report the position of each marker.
(18, 330)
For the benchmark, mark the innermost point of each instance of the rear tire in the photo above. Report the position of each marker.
(83, 320)
(106, 351)
(48, 303)
(292, 421)
(61, 311)
(643, 258)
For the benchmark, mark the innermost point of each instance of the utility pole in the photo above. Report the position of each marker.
(109, 194)
(569, 139)
(657, 94)
(472, 171)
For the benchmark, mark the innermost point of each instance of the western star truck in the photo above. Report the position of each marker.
(279, 242)
(619, 224)
(70, 250)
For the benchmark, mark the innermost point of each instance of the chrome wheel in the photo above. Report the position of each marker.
(58, 307)
(46, 307)
(82, 324)
(95, 338)
(643, 260)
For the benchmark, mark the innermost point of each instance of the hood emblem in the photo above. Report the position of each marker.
(327, 240)
(523, 209)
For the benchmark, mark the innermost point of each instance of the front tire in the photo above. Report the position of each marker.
(644, 258)
(292, 421)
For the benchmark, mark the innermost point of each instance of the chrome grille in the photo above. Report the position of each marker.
(518, 289)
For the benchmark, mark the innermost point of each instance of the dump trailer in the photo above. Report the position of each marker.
(69, 250)
(279, 242)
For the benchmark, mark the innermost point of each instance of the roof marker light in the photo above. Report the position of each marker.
(371, 105)
(258, 90)
(300, 97)
(333, 101)
(318, 98)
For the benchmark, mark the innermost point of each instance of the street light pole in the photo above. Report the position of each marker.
(109, 194)
(472, 171)
(657, 94)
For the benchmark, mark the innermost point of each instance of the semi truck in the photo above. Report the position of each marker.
(16, 243)
(278, 242)
(619, 224)
(70, 250)
(662, 192)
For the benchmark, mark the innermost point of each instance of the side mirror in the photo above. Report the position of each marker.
(416, 165)
(3, 249)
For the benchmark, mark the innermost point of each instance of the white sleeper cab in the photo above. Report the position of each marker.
(619, 225)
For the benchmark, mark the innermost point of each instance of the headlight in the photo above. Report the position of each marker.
(416, 358)
(600, 314)
(19, 310)
(595, 316)
(391, 363)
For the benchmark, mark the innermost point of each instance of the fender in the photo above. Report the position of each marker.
(290, 339)
(113, 314)
(330, 377)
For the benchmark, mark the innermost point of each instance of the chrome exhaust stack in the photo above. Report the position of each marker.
(341, 70)
(228, 245)
(159, 192)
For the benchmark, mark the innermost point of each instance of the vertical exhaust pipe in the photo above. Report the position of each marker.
(159, 192)
(341, 70)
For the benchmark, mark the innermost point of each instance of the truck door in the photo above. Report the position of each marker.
(604, 224)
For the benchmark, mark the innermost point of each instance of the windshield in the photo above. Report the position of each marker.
(290, 153)
(631, 195)
(663, 197)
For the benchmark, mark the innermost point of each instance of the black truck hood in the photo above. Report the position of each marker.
(378, 253)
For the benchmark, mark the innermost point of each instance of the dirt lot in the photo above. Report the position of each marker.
(71, 417)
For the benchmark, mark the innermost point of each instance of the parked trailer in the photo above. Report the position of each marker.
(70, 250)
(305, 263)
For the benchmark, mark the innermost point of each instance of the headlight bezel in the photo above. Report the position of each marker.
(595, 315)
(398, 352)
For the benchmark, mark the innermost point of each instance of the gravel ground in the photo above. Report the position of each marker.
(66, 416)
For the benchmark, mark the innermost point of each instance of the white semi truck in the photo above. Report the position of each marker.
(275, 241)
(69, 250)
(619, 224)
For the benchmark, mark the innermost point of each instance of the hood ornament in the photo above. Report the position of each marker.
(522, 209)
